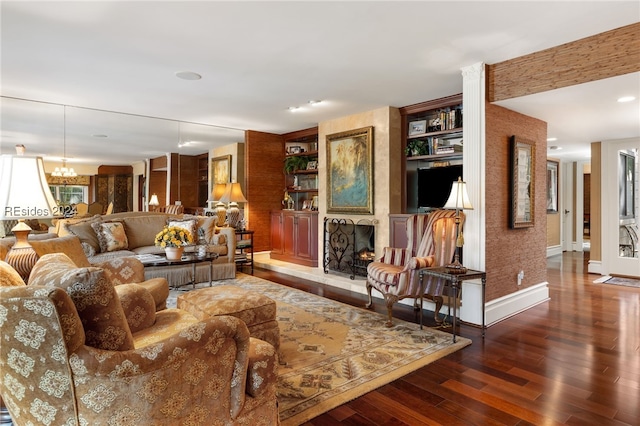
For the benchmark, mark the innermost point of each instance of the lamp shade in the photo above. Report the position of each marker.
(233, 194)
(218, 191)
(458, 199)
(154, 200)
(24, 191)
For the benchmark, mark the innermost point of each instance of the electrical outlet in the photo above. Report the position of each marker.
(520, 277)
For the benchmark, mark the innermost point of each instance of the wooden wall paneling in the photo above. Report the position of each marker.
(511, 250)
(173, 176)
(264, 183)
(157, 182)
(609, 54)
(188, 180)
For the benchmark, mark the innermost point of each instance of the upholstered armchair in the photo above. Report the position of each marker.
(68, 356)
(122, 270)
(431, 242)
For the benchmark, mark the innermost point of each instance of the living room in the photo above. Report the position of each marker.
(256, 151)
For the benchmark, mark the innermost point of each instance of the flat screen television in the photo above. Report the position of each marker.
(434, 185)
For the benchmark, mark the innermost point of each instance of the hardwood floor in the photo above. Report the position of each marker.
(574, 360)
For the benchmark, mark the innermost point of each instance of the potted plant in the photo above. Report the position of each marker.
(173, 239)
(295, 162)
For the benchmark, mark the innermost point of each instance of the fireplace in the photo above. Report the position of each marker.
(348, 247)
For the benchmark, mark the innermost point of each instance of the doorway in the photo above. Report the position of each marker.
(620, 209)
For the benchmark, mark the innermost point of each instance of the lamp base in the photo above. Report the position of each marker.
(22, 256)
(456, 268)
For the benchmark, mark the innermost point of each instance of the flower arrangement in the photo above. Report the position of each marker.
(173, 236)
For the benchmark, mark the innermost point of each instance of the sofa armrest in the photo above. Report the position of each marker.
(230, 235)
(138, 306)
(262, 371)
(129, 270)
(123, 270)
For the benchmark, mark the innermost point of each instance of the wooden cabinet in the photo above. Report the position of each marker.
(432, 138)
(294, 237)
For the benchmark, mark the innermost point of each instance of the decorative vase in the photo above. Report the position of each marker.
(221, 213)
(173, 253)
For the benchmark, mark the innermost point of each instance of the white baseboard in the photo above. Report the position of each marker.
(554, 250)
(511, 304)
(595, 267)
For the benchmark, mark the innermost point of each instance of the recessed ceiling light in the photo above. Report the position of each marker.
(188, 75)
(294, 108)
(552, 139)
(555, 148)
(314, 102)
(627, 99)
(99, 136)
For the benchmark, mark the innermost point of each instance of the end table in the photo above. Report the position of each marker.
(455, 280)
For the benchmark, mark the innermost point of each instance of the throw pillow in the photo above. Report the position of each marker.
(111, 236)
(69, 245)
(85, 231)
(189, 225)
(94, 296)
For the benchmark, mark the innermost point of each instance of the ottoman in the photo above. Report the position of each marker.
(257, 311)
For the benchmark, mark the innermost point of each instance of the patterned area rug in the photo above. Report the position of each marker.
(627, 282)
(335, 352)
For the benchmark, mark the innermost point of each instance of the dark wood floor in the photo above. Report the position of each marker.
(574, 360)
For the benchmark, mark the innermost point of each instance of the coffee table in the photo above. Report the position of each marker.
(160, 260)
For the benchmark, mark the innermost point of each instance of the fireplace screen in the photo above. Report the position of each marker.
(348, 247)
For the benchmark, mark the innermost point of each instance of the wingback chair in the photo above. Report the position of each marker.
(69, 356)
(431, 242)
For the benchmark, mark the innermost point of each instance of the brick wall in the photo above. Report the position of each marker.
(510, 250)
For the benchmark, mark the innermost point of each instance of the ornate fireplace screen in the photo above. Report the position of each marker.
(348, 247)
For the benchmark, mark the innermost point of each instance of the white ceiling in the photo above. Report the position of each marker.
(259, 58)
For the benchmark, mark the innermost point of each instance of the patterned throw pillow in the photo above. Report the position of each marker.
(94, 296)
(111, 236)
(189, 225)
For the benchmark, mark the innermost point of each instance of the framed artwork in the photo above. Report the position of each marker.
(350, 171)
(552, 186)
(417, 127)
(221, 169)
(522, 183)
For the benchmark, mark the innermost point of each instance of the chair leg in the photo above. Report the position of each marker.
(389, 300)
(370, 303)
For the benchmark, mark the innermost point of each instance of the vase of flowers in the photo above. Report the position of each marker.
(173, 239)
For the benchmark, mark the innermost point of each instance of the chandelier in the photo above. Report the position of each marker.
(64, 171)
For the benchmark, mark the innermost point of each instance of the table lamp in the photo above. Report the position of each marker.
(24, 194)
(458, 200)
(153, 202)
(233, 195)
(220, 210)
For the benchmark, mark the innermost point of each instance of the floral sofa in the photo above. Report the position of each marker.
(105, 237)
(75, 350)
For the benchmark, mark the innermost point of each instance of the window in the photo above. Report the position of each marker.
(69, 194)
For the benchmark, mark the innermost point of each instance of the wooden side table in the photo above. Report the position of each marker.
(455, 280)
(244, 248)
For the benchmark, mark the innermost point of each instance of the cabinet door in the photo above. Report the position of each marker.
(289, 234)
(276, 233)
(304, 237)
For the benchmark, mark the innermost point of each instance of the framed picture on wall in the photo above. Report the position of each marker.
(350, 171)
(221, 169)
(522, 189)
(552, 186)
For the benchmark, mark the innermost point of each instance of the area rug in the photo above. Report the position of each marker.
(334, 352)
(627, 282)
